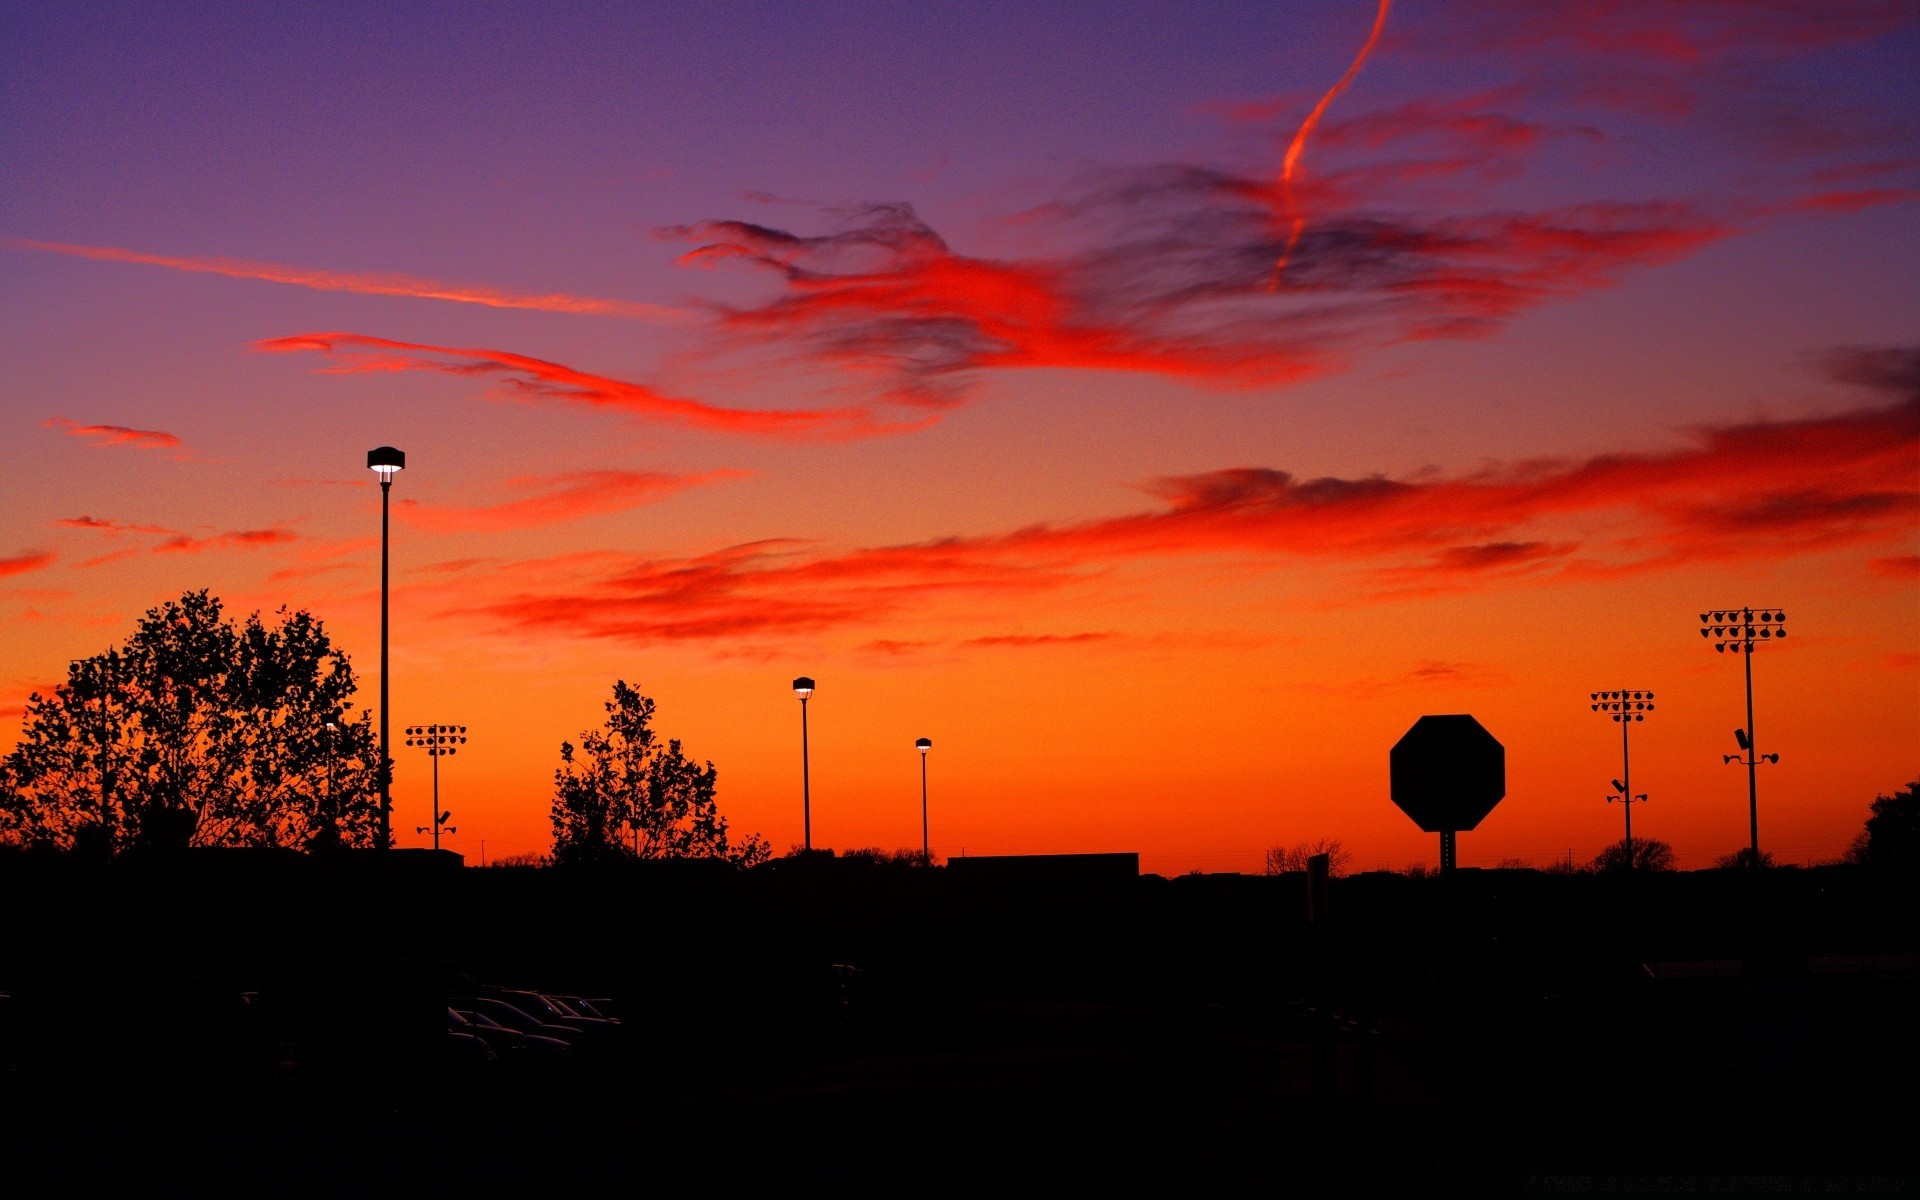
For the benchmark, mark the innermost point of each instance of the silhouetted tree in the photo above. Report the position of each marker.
(529, 859)
(1282, 859)
(1649, 854)
(1743, 857)
(1892, 835)
(197, 731)
(624, 795)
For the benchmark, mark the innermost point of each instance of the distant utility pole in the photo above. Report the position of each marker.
(1625, 707)
(1738, 631)
(438, 741)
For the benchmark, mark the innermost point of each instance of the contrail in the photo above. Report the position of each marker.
(364, 284)
(1299, 142)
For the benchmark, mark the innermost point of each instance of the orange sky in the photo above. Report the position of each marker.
(1590, 323)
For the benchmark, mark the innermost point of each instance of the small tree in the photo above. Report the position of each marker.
(1648, 854)
(622, 794)
(1743, 857)
(1282, 859)
(1892, 835)
(197, 731)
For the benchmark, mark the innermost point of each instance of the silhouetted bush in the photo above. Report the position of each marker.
(1742, 858)
(1282, 859)
(1648, 854)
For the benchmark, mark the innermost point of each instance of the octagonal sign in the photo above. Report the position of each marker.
(1448, 773)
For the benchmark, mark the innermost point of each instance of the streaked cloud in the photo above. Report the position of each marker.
(535, 381)
(114, 435)
(1772, 489)
(363, 283)
(551, 499)
(31, 560)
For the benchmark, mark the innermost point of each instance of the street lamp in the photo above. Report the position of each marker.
(1625, 707)
(385, 462)
(333, 755)
(803, 687)
(1738, 631)
(438, 741)
(926, 854)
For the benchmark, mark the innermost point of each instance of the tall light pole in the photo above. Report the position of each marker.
(385, 462)
(926, 853)
(1738, 631)
(333, 755)
(438, 741)
(803, 687)
(1625, 707)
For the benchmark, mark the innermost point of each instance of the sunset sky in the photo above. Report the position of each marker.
(1102, 391)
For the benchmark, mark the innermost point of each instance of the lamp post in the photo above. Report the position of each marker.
(385, 462)
(803, 687)
(926, 853)
(438, 741)
(333, 755)
(1625, 707)
(1738, 631)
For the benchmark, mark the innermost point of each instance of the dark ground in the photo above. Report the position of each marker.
(868, 1027)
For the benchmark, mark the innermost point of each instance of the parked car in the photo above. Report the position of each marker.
(505, 1040)
(553, 1012)
(514, 1017)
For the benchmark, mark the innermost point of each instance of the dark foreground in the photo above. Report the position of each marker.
(233, 1024)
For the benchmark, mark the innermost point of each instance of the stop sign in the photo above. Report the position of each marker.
(1448, 773)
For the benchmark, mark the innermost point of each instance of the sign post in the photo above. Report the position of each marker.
(1447, 774)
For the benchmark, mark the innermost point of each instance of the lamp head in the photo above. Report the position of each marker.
(923, 744)
(803, 687)
(385, 461)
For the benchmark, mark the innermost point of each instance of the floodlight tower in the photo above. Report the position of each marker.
(438, 741)
(1625, 707)
(1738, 631)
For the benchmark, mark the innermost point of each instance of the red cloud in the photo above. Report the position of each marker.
(115, 435)
(369, 284)
(559, 498)
(1898, 566)
(111, 527)
(536, 381)
(20, 564)
(1028, 641)
(1778, 489)
(239, 539)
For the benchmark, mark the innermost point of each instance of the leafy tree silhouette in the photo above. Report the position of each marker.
(1892, 835)
(1743, 857)
(197, 731)
(1649, 854)
(622, 794)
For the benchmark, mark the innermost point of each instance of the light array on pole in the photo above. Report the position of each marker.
(438, 741)
(1738, 630)
(1623, 705)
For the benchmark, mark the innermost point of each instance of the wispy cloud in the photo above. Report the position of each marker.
(1778, 489)
(551, 499)
(32, 560)
(536, 381)
(114, 435)
(173, 541)
(366, 284)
